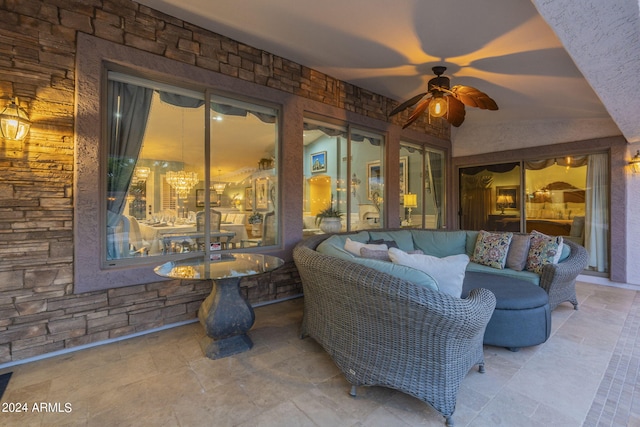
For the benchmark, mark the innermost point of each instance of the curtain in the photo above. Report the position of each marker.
(128, 110)
(597, 212)
(475, 200)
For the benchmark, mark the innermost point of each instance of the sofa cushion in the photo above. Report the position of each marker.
(334, 246)
(355, 246)
(543, 250)
(472, 237)
(382, 255)
(402, 238)
(518, 252)
(528, 276)
(440, 243)
(492, 248)
(447, 271)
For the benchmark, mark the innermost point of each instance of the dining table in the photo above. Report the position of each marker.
(225, 314)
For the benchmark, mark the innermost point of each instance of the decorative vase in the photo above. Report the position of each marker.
(331, 225)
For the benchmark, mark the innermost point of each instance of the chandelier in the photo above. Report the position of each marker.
(182, 181)
(142, 172)
(219, 186)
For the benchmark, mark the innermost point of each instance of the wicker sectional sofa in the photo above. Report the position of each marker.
(389, 325)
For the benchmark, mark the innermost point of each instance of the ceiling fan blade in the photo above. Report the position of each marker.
(455, 112)
(473, 97)
(407, 104)
(420, 108)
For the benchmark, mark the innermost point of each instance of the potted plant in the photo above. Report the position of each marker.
(329, 220)
(255, 219)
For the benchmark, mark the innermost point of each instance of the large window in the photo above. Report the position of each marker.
(354, 188)
(421, 187)
(171, 188)
(561, 196)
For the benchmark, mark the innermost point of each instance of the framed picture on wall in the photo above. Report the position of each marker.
(213, 197)
(319, 162)
(248, 199)
(404, 177)
(374, 180)
(262, 193)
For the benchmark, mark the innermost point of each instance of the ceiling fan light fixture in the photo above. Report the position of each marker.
(437, 106)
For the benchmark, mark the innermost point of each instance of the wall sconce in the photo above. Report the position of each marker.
(635, 163)
(14, 122)
(355, 183)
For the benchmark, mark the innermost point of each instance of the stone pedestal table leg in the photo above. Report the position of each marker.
(226, 317)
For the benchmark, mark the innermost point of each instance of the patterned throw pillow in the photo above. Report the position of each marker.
(491, 249)
(543, 250)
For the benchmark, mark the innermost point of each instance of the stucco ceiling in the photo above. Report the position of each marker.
(559, 70)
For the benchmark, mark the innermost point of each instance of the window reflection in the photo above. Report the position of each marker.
(352, 191)
(157, 200)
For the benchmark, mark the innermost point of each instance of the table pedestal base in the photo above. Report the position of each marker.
(226, 317)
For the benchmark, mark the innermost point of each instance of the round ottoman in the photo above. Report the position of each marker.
(522, 317)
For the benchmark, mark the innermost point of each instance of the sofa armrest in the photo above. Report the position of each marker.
(558, 280)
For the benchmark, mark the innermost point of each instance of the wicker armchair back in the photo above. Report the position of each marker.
(384, 331)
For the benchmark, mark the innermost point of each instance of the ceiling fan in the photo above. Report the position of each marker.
(442, 101)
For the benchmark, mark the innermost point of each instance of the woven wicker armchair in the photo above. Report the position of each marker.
(381, 330)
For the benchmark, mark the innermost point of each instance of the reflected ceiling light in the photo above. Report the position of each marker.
(182, 181)
(635, 163)
(14, 122)
(219, 186)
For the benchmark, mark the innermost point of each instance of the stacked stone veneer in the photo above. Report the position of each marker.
(39, 313)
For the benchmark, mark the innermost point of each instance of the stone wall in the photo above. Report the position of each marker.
(38, 311)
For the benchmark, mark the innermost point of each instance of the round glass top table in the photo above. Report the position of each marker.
(225, 315)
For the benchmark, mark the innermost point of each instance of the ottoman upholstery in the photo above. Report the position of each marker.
(522, 316)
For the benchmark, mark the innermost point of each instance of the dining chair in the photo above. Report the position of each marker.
(268, 232)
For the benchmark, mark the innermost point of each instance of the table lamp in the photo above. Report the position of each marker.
(410, 202)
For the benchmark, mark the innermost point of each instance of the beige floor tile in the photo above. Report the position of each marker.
(163, 378)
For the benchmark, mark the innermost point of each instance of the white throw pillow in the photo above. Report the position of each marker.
(354, 247)
(448, 272)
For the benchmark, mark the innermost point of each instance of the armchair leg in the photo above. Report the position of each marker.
(353, 391)
(481, 368)
(449, 421)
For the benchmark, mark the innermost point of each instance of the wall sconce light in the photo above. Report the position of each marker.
(635, 163)
(355, 183)
(14, 122)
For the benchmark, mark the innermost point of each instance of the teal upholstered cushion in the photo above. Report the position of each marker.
(440, 243)
(522, 275)
(402, 238)
(472, 237)
(492, 248)
(334, 246)
(566, 251)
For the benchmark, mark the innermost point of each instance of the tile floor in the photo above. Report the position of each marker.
(162, 379)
